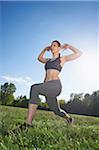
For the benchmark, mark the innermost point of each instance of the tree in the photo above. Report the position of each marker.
(61, 102)
(87, 104)
(21, 98)
(71, 96)
(6, 91)
(78, 96)
(0, 97)
(95, 103)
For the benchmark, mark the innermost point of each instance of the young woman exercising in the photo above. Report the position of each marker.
(51, 87)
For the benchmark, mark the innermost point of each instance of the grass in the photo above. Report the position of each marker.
(50, 132)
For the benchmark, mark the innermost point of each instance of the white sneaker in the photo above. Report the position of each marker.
(70, 120)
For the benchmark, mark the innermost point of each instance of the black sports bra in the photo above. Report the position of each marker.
(53, 64)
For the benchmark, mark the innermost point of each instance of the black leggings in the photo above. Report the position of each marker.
(50, 89)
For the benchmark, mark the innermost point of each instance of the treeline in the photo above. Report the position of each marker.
(85, 104)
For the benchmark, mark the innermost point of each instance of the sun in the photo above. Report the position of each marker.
(87, 69)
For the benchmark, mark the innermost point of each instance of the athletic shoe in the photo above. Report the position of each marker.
(70, 120)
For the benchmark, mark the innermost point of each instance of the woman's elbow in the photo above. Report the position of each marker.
(79, 53)
(38, 59)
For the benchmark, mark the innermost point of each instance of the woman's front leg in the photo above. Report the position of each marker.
(32, 108)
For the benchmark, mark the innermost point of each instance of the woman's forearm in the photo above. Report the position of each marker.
(75, 50)
(41, 55)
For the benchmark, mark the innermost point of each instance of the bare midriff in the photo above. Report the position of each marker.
(51, 74)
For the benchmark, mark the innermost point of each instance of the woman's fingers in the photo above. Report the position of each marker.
(49, 48)
(65, 46)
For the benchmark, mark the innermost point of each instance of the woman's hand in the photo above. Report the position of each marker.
(48, 48)
(65, 46)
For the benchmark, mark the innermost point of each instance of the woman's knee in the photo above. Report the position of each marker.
(34, 87)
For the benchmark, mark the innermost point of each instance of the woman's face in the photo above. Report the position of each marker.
(54, 47)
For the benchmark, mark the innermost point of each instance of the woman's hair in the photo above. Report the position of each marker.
(59, 44)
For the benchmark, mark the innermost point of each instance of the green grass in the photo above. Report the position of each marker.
(50, 132)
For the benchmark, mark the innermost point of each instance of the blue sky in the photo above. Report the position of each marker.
(28, 27)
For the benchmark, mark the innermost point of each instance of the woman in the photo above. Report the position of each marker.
(51, 87)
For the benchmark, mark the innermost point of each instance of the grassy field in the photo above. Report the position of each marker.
(50, 132)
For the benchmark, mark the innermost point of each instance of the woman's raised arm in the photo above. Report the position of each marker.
(41, 55)
(76, 53)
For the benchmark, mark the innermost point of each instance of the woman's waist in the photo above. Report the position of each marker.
(51, 78)
(52, 73)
